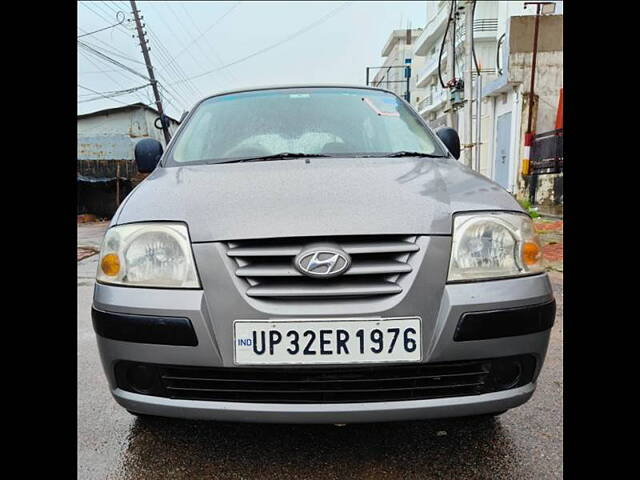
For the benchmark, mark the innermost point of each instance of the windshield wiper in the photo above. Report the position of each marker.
(276, 156)
(404, 153)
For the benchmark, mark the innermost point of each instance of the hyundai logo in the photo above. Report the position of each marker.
(322, 262)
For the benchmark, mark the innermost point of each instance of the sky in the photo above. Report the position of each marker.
(189, 39)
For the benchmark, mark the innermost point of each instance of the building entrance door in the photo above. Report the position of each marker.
(503, 143)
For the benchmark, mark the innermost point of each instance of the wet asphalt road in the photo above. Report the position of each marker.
(524, 443)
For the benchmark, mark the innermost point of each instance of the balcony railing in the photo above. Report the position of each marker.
(479, 25)
(432, 100)
(425, 102)
(485, 25)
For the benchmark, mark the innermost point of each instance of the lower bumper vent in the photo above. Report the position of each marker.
(329, 384)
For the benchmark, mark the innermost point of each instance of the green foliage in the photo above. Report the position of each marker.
(524, 203)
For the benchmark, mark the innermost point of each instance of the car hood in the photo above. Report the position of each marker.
(314, 197)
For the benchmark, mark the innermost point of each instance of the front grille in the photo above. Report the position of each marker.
(378, 262)
(335, 384)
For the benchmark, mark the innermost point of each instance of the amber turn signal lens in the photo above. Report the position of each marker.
(531, 253)
(110, 264)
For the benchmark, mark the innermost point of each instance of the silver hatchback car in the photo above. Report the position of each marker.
(317, 254)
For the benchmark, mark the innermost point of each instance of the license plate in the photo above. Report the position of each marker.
(327, 341)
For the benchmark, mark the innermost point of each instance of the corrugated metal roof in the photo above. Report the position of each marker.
(133, 106)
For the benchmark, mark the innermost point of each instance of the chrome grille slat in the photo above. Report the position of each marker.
(351, 249)
(267, 266)
(325, 289)
(370, 267)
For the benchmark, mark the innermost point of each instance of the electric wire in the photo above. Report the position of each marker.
(473, 47)
(498, 66)
(122, 29)
(121, 54)
(88, 58)
(113, 51)
(195, 40)
(205, 56)
(98, 93)
(270, 47)
(453, 39)
(109, 95)
(179, 40)
(95, 50)
(230, 76)
(111, 60)
(444, 39)
(188, 87)
(102, 29)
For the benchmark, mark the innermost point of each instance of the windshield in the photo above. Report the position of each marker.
(315, 121)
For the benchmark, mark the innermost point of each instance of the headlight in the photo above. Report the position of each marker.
(148, 255)
(493, 245)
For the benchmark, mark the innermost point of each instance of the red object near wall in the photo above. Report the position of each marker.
(559, 113)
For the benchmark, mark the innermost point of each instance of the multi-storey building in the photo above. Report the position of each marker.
(398, 53)
(503, 43)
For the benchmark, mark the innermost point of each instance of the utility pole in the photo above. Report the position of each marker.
(147, 61)
(467, 142)
(528, 137)
(452, 116)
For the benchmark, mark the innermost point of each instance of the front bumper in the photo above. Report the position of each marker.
(325, 413)
(438, 343)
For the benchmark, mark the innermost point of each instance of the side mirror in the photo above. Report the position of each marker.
(451, 140)
(147, 154)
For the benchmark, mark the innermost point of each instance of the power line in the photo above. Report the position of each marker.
(270, 47)
(170, 29)
(114, 52)
(230, 76)
(189, 88)
(121, 54)
(86, 55)
(106, 4)
(110, 60)
(106, 19)
(206, 56)
(111, 94)
(186, 90)
(105, 28)
(99, 94)
(208, 28)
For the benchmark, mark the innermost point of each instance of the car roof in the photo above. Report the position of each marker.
(297, 85)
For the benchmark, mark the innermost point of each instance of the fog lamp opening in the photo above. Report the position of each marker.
(141, 378)
(506, 374)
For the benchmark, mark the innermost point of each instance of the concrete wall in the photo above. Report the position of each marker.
(548, 82)
(522, 28)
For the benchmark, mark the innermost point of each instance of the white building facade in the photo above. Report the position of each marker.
(504, 59)
(398, 53)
